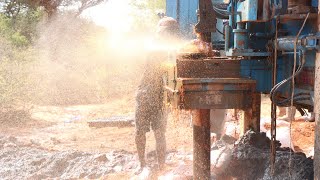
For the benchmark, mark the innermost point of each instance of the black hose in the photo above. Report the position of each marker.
(294, 99)
(280, 84)
(219, 31)
(303, 112)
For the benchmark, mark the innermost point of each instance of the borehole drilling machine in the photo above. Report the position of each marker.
(266, 46)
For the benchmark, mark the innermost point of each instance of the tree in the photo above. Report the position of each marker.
(156, 4)
(20, 30)
(85, 4)
(12, 8)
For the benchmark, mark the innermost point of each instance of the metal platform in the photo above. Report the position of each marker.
(203, 94)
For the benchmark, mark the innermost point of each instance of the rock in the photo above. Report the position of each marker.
(9, 145)
(101, 158)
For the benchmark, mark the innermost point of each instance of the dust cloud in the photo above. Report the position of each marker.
(95, 58)
(86, 69)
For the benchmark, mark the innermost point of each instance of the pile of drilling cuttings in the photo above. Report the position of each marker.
(19, 160)
(250, 158)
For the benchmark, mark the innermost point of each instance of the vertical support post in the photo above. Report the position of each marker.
(316, 110)
(201, 144)
(251, 118)
(227, 38)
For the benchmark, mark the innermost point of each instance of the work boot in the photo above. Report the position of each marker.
(310, 118)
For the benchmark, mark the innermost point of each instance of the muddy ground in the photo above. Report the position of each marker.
(56, 142)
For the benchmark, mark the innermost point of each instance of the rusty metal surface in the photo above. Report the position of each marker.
(252, 115)
(207, 21)
(216, 93)
(297, 16)
(217, 100)
(191, 56)
(208, 68)
(217, 80)
(201, 144)
(317, 109)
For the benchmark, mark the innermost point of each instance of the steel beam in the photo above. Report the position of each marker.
(201, 144)
(252, 115)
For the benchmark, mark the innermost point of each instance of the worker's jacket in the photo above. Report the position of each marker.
(150, 91)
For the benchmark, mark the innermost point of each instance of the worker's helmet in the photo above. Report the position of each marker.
(167, 28)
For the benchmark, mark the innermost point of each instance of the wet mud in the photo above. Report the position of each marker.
(246, 159)
(20, 160)
(250, 159)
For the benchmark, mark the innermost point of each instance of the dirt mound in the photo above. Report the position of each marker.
(21, 160)
(27, 161)
(250, 159)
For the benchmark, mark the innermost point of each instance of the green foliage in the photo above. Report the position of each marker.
(22, 30)
(18, 39)
(146, 14)
(156, 4)
(14, 75)
(18, 33)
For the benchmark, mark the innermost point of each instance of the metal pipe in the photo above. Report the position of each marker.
(266, 10)
(227, 38)
(201, 144)
(273, 105)
(287, 43)
(241, 38)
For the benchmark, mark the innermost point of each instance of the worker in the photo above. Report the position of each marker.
(149, 99)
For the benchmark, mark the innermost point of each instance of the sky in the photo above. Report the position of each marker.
(114, 15)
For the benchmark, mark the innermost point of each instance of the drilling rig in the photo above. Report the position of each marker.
(266, 46)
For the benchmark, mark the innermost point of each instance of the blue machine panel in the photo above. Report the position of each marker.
(258, 70)
(185, 12)
(187, 16)
(259, 32)
(315, 3)
(188, 19)
(249, 11)
(171, 8)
